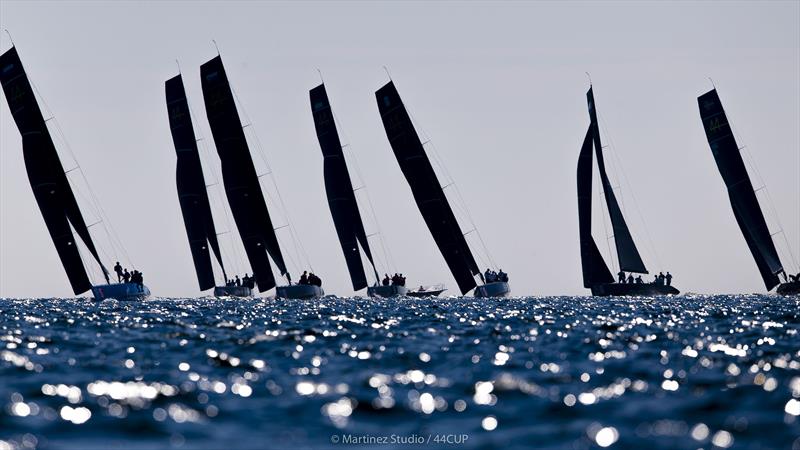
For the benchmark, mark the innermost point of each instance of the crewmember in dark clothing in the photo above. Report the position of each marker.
(795, 277)
(488, 277)
(661, 278)
(669, 279)
(126, 276)
(630, 279)
(402, 280)
(502, 276)
(314, 280)
(238, 282)
(304, 278)
(621, 276)
(118, 270)
(386, 279)
(639, 280)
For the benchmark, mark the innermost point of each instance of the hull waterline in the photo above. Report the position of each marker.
(633, 290)
(299, 291)
(495, 289)
(121, 291)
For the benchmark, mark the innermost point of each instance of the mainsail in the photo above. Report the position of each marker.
(629, 258)
(239, 175)
(740, 189)
(46, 174)
(191, 184)
(428, 194)
(339, 189)
(595, 270)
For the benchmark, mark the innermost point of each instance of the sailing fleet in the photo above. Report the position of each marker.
(257, 233)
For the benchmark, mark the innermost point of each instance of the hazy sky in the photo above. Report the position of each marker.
(498, 87)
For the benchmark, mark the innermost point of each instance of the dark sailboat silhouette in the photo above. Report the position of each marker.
(193, 194)
(596, 275)
(51, 187)
(342, 200)
(742, 196)
(430, 197)
(242, 187)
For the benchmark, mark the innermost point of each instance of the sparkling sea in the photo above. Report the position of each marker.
(686, 372)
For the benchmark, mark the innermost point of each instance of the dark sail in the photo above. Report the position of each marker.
(595, 270)
(740, 190)
(46, 174)
(191, 184)
(339, 189)
(239, 175)
(427, 191)
(628, 254)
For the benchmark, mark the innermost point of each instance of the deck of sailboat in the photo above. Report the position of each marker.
(494, 289)
(232, 291)
(121, 291)
(789, 288)
(299, 291)
(387, 291)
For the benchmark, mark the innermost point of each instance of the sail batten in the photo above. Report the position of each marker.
(46, 174)
(629, 258)
(192, 195)
(425, 186)
(242, 188)
(339, 190)
(742, 196)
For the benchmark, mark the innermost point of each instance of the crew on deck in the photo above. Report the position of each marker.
(398, 280)
(118, 270)
(795, 278)
(310, 278)
(386, 279)
(123, 276)
(490, 276)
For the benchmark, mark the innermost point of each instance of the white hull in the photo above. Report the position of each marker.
(495, 289)
(232, 291)
(121, 291)
(387, 291)
(299, 291)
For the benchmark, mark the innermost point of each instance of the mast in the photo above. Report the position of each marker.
(46, 174)
(428, 194)
(595, 270)
(740, 189)
(339, 189)
(191, 184)
(239, 175)
(628, 254)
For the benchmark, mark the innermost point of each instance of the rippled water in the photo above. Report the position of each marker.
(561, 372)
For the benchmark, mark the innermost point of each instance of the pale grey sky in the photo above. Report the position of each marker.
(498, 87)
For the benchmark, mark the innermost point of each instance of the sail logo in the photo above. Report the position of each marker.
(8, 68)
(715, 125)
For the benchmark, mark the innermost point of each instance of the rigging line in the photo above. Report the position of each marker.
(302, 255)
(617, 163)
(387, 256)
(98, 209)
(204, 151)
(601, 202)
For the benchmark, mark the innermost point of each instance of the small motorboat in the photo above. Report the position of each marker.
(299, 291)
(427, 291)
(121, 291)
(387, 291)
(493, 289)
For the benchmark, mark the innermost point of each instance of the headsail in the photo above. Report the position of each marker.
(595, 270)
(628, 254)
(191, 184)
(239, 175)
(740, 189)
(427, 191)
(339, 189)
(46, 174)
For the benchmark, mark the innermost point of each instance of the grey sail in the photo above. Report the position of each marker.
(428, 194)
(239, 176)
(339, 189)
(628, 254)
(191, 184)
(743, 199)
(46, 174)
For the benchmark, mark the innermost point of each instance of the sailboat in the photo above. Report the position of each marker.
(51, 187)
(342, 200)
(596, 275)
(743, 198)
(242, 187)
(193, 195)
(430, 197)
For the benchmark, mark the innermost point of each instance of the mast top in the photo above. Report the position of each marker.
(589, 77)
(9, 36)
(215, 46)
(387, 73)
(321, 80)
